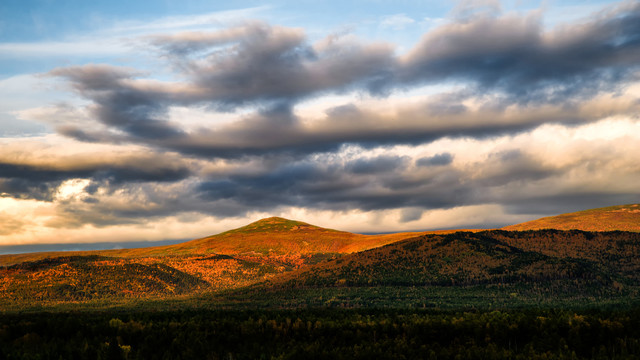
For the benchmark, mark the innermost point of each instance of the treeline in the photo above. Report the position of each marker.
(322, 334)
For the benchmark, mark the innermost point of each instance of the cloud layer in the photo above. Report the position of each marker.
(488, 110)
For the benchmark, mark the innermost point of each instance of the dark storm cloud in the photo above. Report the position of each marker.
(329, 185)
(265, 63)
(278, 130)
(376, 165)
(515, 178)
(137, 111)
(503, 59)
(41, 181)
(515, 55)
(513, 166)
(435, 160)
(367, 183)
(132, 171)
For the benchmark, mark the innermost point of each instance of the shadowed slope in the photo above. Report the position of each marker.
(482, 269)
(462, 258)
(621, 217)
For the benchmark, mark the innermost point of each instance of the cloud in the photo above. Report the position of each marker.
(435, 160)
(396, 22)
(10, 224)
(265, 63)
(468, 9)
(186, 43)
(38, 179)
(514, 54)
(556, 165)
(376, 165)
(488, 112)
(517, 76)
(120, 103)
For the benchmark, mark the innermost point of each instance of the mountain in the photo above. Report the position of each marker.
(240, 257)
(271, 237)
(470, 270)
(272, 255)
(621, 217)
(461, 258)
(279, 236)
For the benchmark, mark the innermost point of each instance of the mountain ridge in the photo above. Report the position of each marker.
(611, 218)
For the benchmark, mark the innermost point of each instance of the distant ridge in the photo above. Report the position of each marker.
(620, 217)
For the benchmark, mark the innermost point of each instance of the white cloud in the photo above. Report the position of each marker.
(78, 48)
(185, 22)
(396, 22)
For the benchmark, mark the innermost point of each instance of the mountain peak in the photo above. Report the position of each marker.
(274, 224)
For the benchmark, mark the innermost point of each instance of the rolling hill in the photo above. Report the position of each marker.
(461, 258)
(276, 254)
(232, 259)
(485, 269)
(279, 236)
(80, 278)
(621, 217)
(273, 237)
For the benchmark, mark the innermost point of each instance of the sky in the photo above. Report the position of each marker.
(161, 120)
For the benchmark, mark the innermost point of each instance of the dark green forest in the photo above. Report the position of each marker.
(322, 334)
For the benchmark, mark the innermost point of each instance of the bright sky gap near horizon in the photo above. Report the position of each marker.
(179, 119)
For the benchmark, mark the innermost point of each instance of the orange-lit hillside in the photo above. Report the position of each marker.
(621, 217)
(278, 236)
(285, 240)
(236, 258)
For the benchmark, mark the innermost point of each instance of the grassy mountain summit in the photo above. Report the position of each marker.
(620, 217)
(279, 236)
(275, 224)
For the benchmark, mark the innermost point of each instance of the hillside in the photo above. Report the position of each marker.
(461, 258)
(621, 217)
(275, 254)
(79, 278)
(465, 269)
(278, 236)
(232, 259)
(286, 240)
